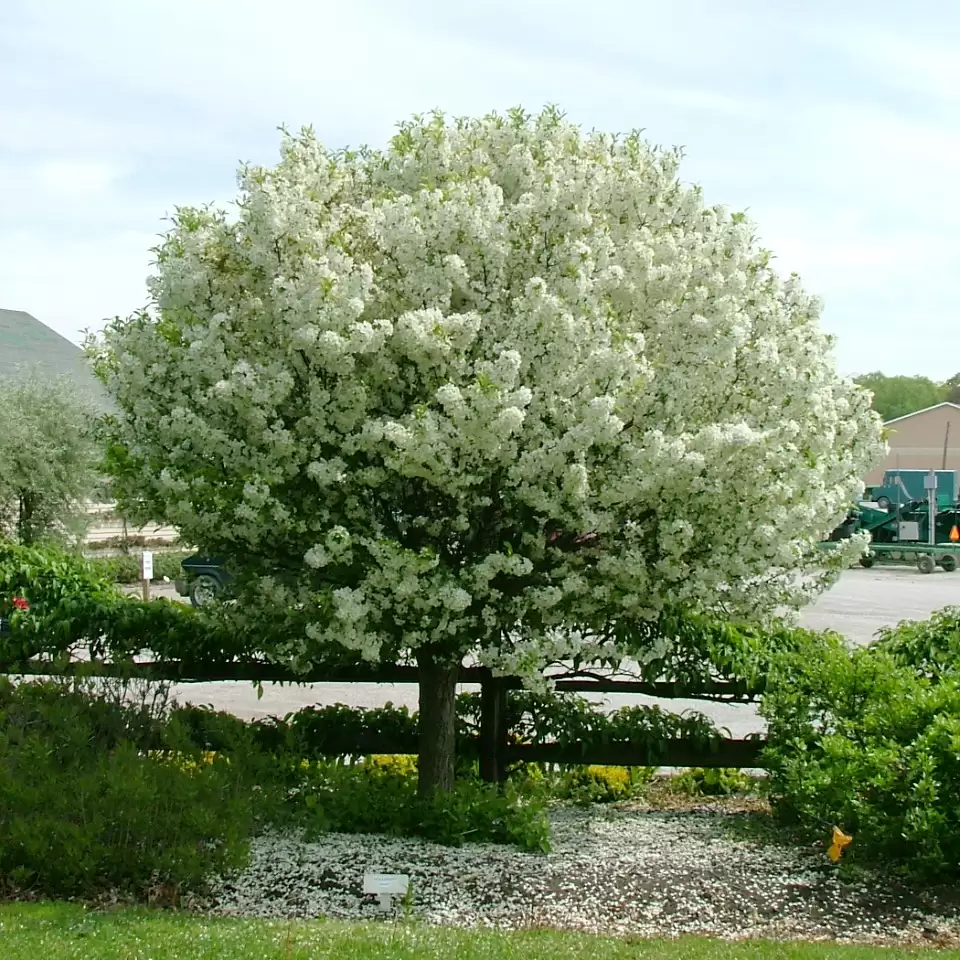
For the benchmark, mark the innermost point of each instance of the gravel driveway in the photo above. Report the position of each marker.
(619, 872)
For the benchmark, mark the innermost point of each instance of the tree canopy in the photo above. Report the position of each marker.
(953, 389)
(482, 393)
(48, 457)
(899, 395)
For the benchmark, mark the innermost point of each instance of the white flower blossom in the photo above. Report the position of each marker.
(316, 557)
(410, 368)
(454, 598)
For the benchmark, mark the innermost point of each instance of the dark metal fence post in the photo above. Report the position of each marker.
(493, 729)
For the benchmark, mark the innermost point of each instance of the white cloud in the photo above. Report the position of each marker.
(930, 66)
(68, 179)
(72, 284)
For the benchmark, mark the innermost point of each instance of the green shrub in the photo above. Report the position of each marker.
(209, 729)
(567, 719)
(87, 810)
(600, 784)
(125, 567)
(325, 732)
(930, 646)
(51, 708)
(72, 604)
(322, 731)
(696, 650)
(99, 795)
(871, 745)
(379, 795)
(712, 782)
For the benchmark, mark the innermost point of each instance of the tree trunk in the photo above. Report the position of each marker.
(25, 531)
(438, 723)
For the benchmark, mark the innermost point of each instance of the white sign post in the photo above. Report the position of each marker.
(386, 886)
(146, 572)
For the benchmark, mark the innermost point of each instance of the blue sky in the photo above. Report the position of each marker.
(836, 125)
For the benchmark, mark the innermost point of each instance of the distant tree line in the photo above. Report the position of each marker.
(897, 396)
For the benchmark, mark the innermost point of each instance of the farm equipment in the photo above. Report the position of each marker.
(204, 579)
(901, 534)
(902, 487)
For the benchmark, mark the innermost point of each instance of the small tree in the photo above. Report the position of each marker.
(48, 458)
(481, 393)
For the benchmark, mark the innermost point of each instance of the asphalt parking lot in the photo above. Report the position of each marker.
(858, 606)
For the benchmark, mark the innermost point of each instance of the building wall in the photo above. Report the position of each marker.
(916, 442)
(107, 525)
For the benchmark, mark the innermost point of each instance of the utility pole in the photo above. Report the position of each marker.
(930, 482)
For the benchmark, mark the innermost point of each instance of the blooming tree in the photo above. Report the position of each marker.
(480, 393)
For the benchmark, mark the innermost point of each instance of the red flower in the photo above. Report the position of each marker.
(20, 603)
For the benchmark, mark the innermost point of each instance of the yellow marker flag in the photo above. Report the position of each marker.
(840, 840)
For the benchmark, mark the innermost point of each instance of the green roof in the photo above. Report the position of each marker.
(27, 344)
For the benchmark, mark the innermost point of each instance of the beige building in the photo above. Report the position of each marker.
(926, 440)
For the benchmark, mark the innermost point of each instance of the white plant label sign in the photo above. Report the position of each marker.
(386, 886)
(146, 565)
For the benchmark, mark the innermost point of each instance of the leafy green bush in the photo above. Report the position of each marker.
(712, 782)
(66, 596)
(125, 567)
(697, 650)
(322, 731)
(87, 810)
(864, 741)
(327, 732)
(221, 732)
(595, 784)
(73, 604)
(566, 719)
(99, 795)
(930, 646)
(47, 708)
(380, 796)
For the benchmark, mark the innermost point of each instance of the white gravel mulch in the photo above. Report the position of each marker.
(612, 871)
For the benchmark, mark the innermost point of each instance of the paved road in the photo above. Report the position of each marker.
(866, 600)
(859, 605)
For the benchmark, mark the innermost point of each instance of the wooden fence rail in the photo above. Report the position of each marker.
(264, 672)
(664, 753)
(493, 746)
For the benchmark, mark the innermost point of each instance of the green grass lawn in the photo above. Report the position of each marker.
(66, 932)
